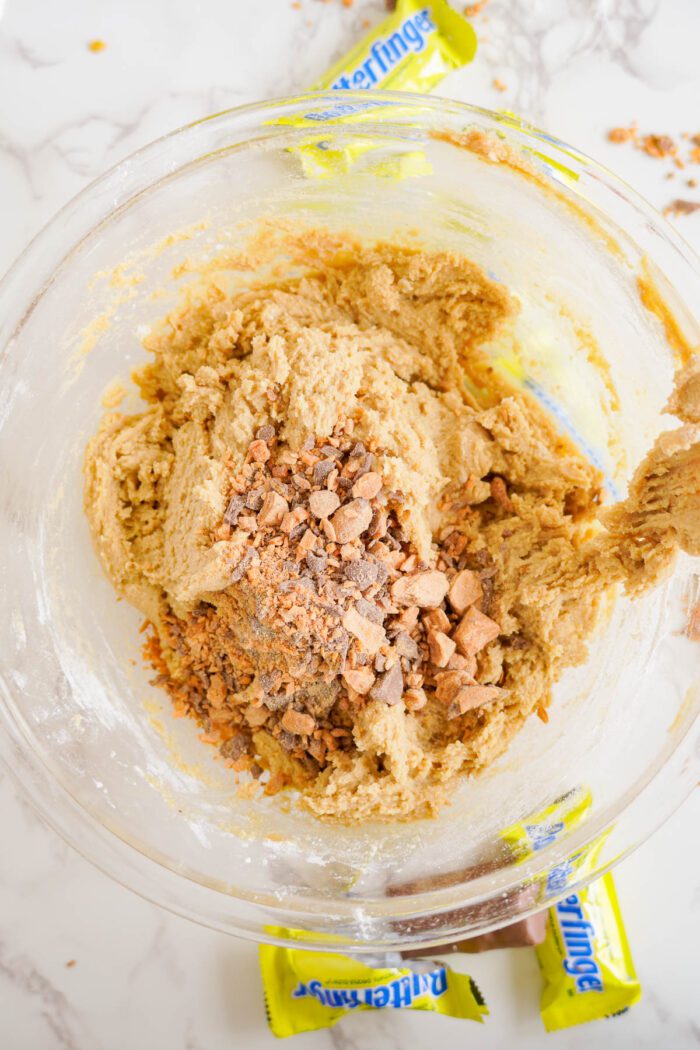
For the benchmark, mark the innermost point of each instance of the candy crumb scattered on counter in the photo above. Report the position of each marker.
(659, 147)
(663, 147)
(475, 9)
(681, 207)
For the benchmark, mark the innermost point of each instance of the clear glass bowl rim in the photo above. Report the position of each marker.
(129, 862)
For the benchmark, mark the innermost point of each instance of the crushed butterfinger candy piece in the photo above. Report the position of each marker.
(425, 589)
(297, 722)
(465, 590)
(474, 631)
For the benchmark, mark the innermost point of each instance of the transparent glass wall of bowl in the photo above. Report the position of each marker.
(95, 746)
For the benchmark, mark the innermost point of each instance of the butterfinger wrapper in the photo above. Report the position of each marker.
(412, 50)
(306, 991)
(585, 959)
(541, 829)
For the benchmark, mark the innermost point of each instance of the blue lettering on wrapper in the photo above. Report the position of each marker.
(571, 906)
(388, 52)
(345, 109)
(336, 997)
(414, 36)
(397, 45)
(578, 935)
(381, 995)
(542, 835)
(559, 877)
(399, 992)
(438, 982)
(590, 984)
(370, 71)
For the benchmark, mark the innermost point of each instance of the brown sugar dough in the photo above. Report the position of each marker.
(378, 348)
(684, 401)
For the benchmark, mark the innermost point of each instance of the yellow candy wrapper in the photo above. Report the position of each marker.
(541, 829)
(585, 959)
(324, 158)
(413, 49)
(305, 990)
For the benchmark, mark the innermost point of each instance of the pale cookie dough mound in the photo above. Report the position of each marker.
(360, 581)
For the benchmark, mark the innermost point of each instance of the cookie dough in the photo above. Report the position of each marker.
(364, 562)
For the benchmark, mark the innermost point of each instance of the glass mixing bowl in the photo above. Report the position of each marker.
(609, 295)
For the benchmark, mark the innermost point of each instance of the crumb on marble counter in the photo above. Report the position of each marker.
(663, 147)
(681, 207)
(475, 9)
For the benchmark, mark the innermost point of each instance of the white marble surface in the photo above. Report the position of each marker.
(143, 979)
